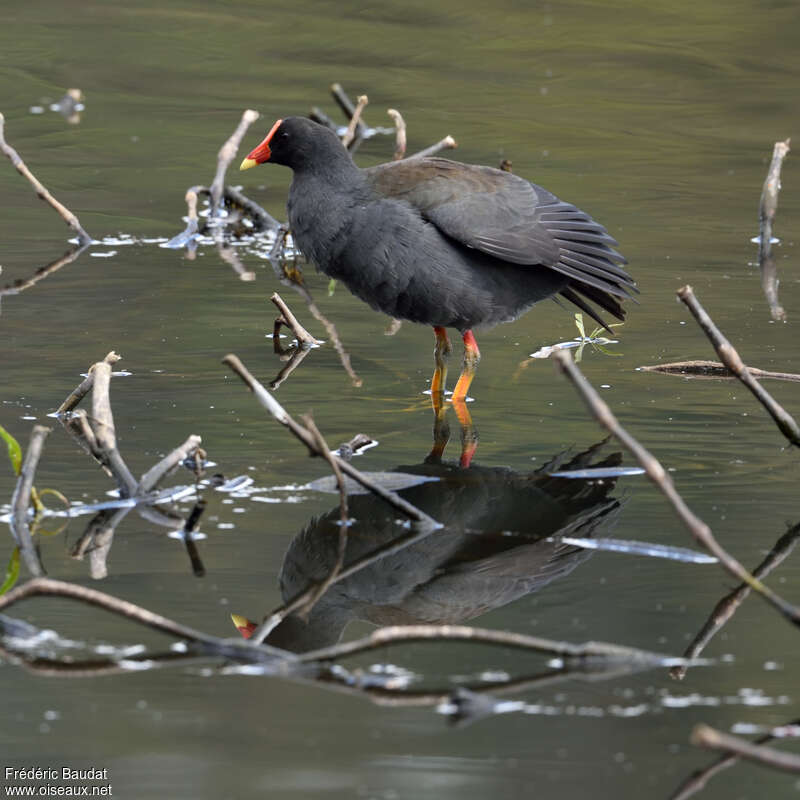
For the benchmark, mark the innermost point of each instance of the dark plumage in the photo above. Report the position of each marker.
(439, 242)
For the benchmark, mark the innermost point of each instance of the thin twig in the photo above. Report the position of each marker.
(261, 219)
(318, 115)
(732, 360)
(226, 154)
(705, 736)
(21, 501)
(159, 471)
(84, 387)
(729, 604)
(400, 133)
(659, 476)
(350, 133)
(64, 212)
(348, 107)
(697, 781)
(394, 634)
(268, 401)
(301, 334)
(769, 285)
(445, 144)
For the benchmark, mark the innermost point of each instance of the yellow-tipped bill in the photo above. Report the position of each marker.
(247, 163)
(262, 152)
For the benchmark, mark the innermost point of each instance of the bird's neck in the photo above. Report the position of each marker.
(320, 208)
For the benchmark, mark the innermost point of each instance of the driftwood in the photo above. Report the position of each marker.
(660, 477)
(63, 211)
(83, 388)
(714, 370)
(733, 361)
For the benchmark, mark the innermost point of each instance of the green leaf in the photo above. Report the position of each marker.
(14, 450)
(579, 325)
(331, 287)
(12, 572)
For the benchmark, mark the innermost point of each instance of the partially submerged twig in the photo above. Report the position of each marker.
(705, 736)
(84, 387)
(729, 604)
(659, 476)
(63, 211)
(714, 369)
(268, 401)
(304, 338)
(732, 360)
(171, 461)
(21, 501)
(768, 204)
(226, 154)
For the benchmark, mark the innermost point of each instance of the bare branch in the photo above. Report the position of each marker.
(226, 154)
(714, 370)
(158, 472)
(732, 360)
(445, 144)
(769, 198)
(705, 736)
(349, 134)
(659, 476)
(63, 211)
(287, 318)
(84, 387)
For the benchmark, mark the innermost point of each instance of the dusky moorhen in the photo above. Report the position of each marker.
(439, 242)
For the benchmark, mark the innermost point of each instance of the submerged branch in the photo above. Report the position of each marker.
(714, 369)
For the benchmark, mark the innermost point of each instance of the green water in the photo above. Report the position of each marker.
(658, 121)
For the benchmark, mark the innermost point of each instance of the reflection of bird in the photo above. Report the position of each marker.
(492, 550)
(439, 242)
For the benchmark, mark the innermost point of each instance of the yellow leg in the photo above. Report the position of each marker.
(441, 429)
(472, 355)
(440, 354)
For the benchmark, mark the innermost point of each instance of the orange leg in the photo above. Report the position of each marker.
(472, 355)
(440, 354)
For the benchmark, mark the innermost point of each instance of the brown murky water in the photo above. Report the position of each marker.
(659, 122)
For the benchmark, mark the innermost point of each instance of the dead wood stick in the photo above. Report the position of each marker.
(324, 450)
(102, 422)
(159, 471)
(400, 133)
(729, 604)
(768, 204)
(84, 387)
(301, 334)
(262, 220)
(705, 736)
(21, 501)
(64, 212)
(660, 477)
(394, 634)
(268, 401)
(226, 154)
(732, 360)
(318, 115)
(347, 106)
(445, 144)
(350, 133)
(697, 781)
(714, 369)
(41, 273)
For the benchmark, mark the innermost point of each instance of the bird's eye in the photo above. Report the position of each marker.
(284, 135)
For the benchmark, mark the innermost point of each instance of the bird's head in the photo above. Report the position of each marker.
(294, 142)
